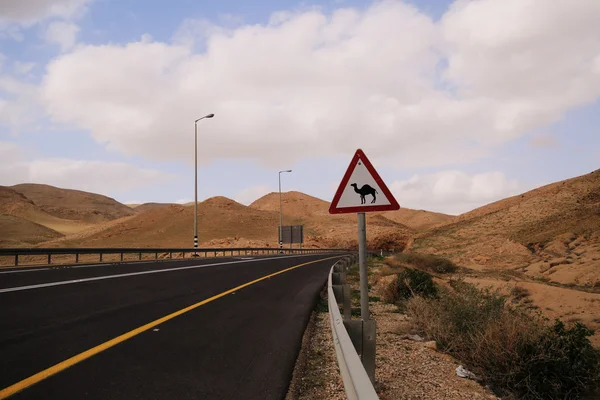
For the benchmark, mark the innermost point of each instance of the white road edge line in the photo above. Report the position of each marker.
(17, 271)
(156, 271)
(106, 264)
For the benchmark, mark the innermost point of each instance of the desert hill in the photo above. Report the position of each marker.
(73, 204)
(551, 233)
(296, 204)
(13, 203)
(172, 225)
(224, 222)
(19, 232)
(419, 220)
(304, 206)
(148, 206)
(335, 230)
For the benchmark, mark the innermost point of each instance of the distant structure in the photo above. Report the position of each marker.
(365, 190)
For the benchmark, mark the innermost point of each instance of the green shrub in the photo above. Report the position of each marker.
(561, 364)
(516, 352)
(427, 262)
(411, 282)
(408, 283)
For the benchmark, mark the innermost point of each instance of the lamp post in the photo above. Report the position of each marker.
(196, 181)
(281, 214)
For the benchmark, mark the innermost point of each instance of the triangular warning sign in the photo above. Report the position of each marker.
(362, 189)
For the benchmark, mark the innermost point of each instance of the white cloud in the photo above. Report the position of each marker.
(309, 84)
(19, 103)
(454, 192)
(248, 195)
(533, 58)
(94, 176)
(61, 33)
(410, 91)
(23, 68)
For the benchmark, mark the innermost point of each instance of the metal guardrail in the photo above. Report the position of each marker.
(180, 253)
(357, 383)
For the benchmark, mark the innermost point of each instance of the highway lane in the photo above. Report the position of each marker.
(241, 345)
(24, 276)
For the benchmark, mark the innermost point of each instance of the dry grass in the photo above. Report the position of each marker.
(519, 294)
(515, 351)
(425, 262)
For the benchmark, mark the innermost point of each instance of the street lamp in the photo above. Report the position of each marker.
(196, 181)
(280, 213)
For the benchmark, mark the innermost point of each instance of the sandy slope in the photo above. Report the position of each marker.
(19, 232)
(16, 204)
(73, 204)
(149, 206)
(172, 225)
(555, 302)
(304, 206)
(540, 232)
(224, 222)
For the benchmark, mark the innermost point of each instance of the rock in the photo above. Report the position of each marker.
(416, 338)
(465, 373)
(559, 261)
(431, 345)
(538, 267)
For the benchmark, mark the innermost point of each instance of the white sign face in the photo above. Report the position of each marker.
(366, 192)
(362, 189)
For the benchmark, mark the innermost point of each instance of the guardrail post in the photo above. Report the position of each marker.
(156, 256)
(347, 304)
(362, 333)
(354, 328)
(100, 257)
(170, 255)
(338, 278)
(121, 257)
(16, 260)
(343, 296)
(368, 355)
(76, 258)
(49, 258)
(140, 258)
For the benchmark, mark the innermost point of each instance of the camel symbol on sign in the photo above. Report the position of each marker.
(363, 191)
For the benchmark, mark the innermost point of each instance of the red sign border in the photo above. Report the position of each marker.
(360, 155)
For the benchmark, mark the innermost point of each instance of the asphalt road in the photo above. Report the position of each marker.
(240, 345)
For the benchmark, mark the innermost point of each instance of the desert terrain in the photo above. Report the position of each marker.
(546, 240)
(45, 216)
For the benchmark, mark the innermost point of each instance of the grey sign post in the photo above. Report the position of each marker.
(362, 190)
(362, 265)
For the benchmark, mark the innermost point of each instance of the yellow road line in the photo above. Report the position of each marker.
(48, 372)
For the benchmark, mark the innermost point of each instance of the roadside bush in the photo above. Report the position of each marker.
(409, 283)
(562, 363)
(516, 352)
(427, 262)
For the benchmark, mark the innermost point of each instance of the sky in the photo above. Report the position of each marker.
(456, 103)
